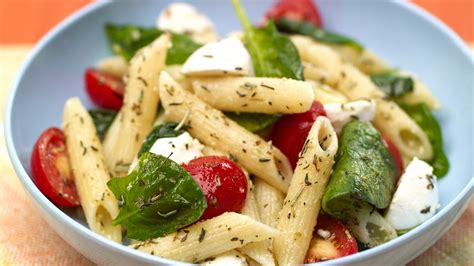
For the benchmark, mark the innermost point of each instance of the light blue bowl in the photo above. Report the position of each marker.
(401, 33)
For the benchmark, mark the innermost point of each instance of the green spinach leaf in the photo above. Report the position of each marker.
(253, 122)
(126, 40)
(273, 54)
(392, 83)
(423, 116)
(157, 198)
(166, 130)
(318, 34)
(102, 120)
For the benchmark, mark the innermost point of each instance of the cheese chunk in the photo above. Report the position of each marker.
(182, 148)
(341, 114)
(185, 18)
(416, 198)
(225, 57)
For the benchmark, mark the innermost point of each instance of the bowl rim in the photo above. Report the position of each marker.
(78, 228)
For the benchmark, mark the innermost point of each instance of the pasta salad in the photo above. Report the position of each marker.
(281, 144)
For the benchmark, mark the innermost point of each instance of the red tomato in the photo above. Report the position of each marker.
(51, 169)
(222, 181)
(395, 154)
(336, 243)
(104, 89)
(302, 10)
(290, 132)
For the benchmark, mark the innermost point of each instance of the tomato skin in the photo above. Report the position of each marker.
(223, 183)
(301, 10)
(290, 132)
(51, 170)
(104, 89)
(395, 154)
(341, 242)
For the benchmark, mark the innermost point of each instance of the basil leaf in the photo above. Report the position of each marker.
(392, 83)
(183, 47)
(253, 122)
(308, 29)
(158, 197)
(364, 172)
(273, 54)
(422, 115)
(102, 120)
(126, 40)
(166, 130)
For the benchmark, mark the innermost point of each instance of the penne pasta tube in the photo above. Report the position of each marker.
(90, 171)
(341, 76)
(366, 60)
(312, 72)
(114, 65)
(213, 128)
(325, 94)
(409, 138)
(255, 95)
(258, 251)
(135, 120)
(420, 94)
(300, 210)
(208, 238)
(178, 76)
(269, 201)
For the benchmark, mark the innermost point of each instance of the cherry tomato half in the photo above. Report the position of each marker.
(290, 132)
(222, 181)
(395, 154)
(336, 243)
(301, 10)
(51, 169)
(104, 89)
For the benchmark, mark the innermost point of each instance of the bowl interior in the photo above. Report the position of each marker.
(392, 30)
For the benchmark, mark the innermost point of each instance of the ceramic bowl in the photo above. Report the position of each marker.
(400, 32)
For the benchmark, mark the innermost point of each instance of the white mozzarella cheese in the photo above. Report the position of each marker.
(416, 198)
(182, 148)
(230, 258)
(341, 114)
(227, 56)
(185, 18)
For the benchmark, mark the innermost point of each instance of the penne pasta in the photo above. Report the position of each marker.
(340, 75)
(90, 171)
(303, 201)
(325, 94)
(208, 238)
(269, 201)
(390, 119)
(135, 119)
(409, 138)
(366, 60)
(369, 63)
(420, 94)
(255, 95)
(213, 128)
(114, 65)
(258, 251)
(178, 76)
(313, 72)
